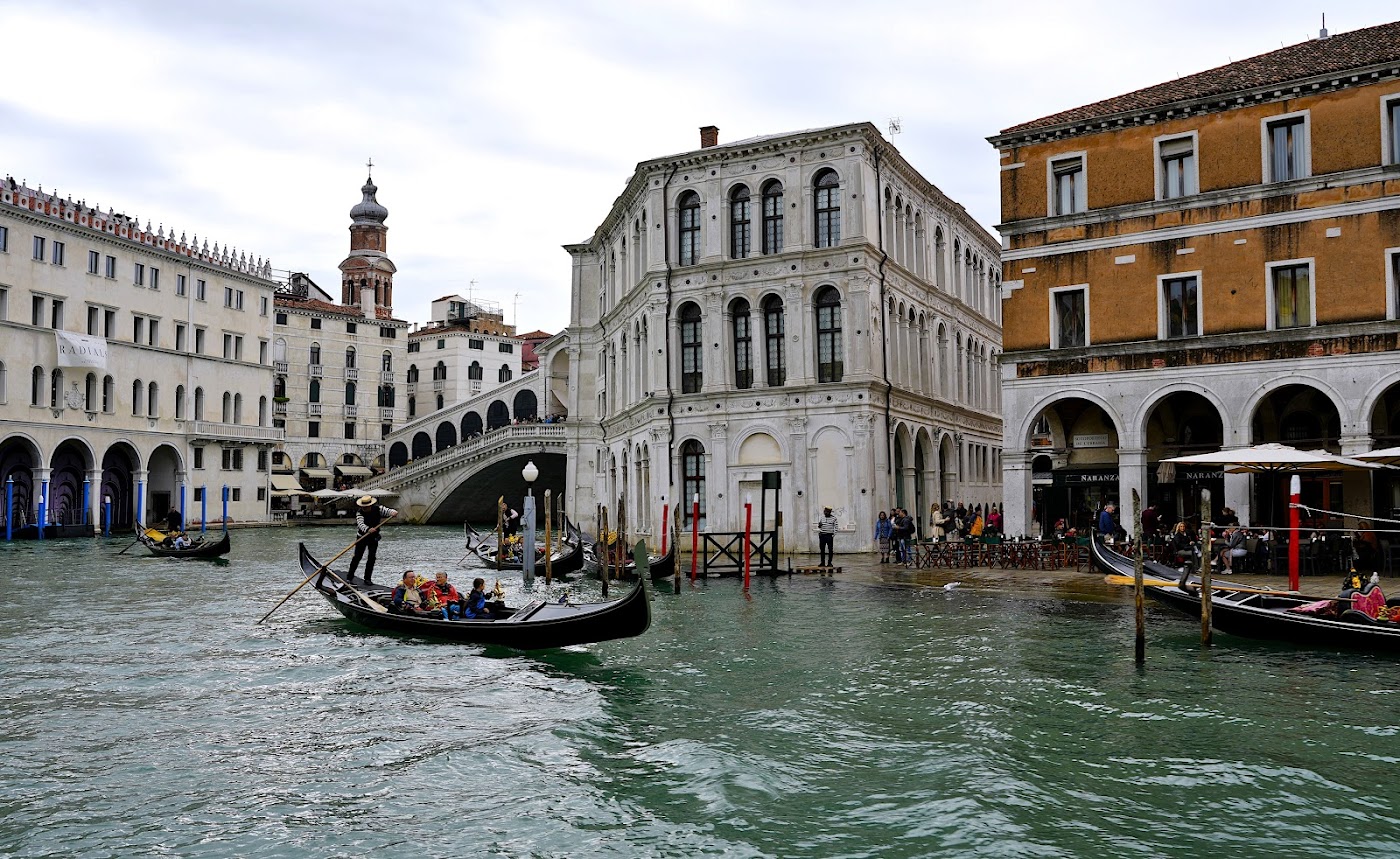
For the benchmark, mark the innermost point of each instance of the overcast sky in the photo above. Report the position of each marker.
(503, 130)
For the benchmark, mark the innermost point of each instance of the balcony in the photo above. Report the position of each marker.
(351, 411)
(352, 374)
(313, 409)
(279, 366)
(279, 409)
(317, 371)
(386, 377)
(211, 431)
(439, 385)
(386, 413)
(474, 387)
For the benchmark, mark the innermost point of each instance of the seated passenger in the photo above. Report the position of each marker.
(182, 541)
(407, 596)
(441, 596)
(476, 601)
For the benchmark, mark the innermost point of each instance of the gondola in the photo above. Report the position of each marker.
(1283, 617)
(658, 566)
(536, 625)
(567, 558)
(202, 548)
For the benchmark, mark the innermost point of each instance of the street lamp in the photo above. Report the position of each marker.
(527, 547)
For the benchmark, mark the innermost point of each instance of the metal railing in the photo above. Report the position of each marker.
(724, 550)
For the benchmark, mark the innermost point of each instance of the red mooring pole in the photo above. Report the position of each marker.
(694, 534)
(748, 546)
(665, 524)
(1295, 489)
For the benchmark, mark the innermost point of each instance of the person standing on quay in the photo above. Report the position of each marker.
(368, 516)
(882, 537)
(826, 538)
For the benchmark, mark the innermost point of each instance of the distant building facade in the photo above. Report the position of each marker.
(1207, 263)
(340, 366)
(466, 350)
(136, 368)
(806, 304)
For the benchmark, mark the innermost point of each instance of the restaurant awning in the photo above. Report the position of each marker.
(284, 483)
(317, 473)
(354, 471)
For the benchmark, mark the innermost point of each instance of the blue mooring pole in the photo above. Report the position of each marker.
(182, 504)
(9, 509)
(107, 520)
(87, 499)
(224, 521)
(140, 501)
(43, 507)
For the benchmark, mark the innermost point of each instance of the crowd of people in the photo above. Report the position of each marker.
(897, 531)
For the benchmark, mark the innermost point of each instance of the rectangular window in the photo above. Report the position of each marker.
(155, 278)
(471, 344)
(262, 459)
(262, 493)
(263, 304)
(39, 248)
(262, 351)
(238, 299)
(1291, 290)
(236, 494)
(56, 318)
(237, 348)
(349, 430)
(227, 463)
(441, 344)
(1390, 129)
(388, 333)
(110, 270)
(1287, 141)
(313, 429)
(58, 252)
(4, 307)
(315, 324)
(228, 296)
(743, 350)
(1069, 318)
(180, 284)
(199, 341)
(94, 327)
(199, 289)
(1177, 168)
(36, 311)
(228, 345)
(198, 463)
(413, 347)
(1068, 189)
(1181, 307)
(689, 247)
(153, 332)
(508, 347)
(281, 319)
(774, 352)
(109, 323)
(350, 328)
(94, 262)
(138, 274)
(692, 366)
(138, 329)
(4, 240)
(1394, 284)
(180, 337)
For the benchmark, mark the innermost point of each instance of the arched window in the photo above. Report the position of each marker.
(386, 362)
(940, 259)
(56, 389)
(89, 392)
(109, 395)
(279, 387)
(743, 343)
(198, 404)
(826, 193)
(227, 413)
(774, 351)
(152, 400)
(693, 478)
(439, 371)
(138, 393)
(315, 353)
(179, 402)
(349, 357)
(262, 411)
(829, 351)
(439, 402)
(504, 375)
(474, 372)
(412, 374)
(279, 349)
(689, 238)
(740, 228)
(349, 393)
(314, 394)
(36, 387)
(386, 396)
(773, 217)
(692, 362)
(412, 406)
(2, 383)
(238, 408)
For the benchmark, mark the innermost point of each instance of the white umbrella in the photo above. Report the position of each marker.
(1386, 455)
(1273, 458)
(324, 494)
(381, 493)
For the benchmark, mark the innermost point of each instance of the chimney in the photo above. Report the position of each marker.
(709, 136)
(367, 301)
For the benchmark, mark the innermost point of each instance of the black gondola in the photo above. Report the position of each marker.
(658, 566)
(1268, 616)
(202, 548)
(534, 626)
(567, 558)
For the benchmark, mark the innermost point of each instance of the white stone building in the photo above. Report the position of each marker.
(161, 392)
(805, 303)
(466, 350)
(339, 366)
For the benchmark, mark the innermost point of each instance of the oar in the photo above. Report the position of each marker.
(364, 599)
(325, 568)
(1166, 583)
(140, 530)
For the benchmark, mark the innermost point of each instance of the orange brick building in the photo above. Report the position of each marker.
(1209, 262)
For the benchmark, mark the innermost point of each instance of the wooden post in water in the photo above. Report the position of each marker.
(548, 535)
(1205, 566)
(621, 560)
(603, 546)
(1140, 642)
(500, 531)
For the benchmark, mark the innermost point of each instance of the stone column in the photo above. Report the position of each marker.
(864, 459)
(1016, 492)
(717, 487)
(1132, 474)
(1237, 497)
(94, 477)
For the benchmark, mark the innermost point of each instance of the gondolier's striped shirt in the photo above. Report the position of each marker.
(827, 525)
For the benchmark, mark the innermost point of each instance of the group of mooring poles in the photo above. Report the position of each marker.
(616, 558)
(1140, 643)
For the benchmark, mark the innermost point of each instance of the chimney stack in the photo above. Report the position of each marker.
(367, 301)
(709, 136)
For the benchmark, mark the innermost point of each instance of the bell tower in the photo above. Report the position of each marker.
(367, 274)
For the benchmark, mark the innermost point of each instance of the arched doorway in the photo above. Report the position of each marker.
(1081, 440)
(163, 472)
(1180, 424)
(903, 456)
(497, 415)
(947, 468)
(18, 459)
(68, 470)
(119, 464)
(526, 405)
(1304, 417)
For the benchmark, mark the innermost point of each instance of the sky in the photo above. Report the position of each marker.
(501, 131)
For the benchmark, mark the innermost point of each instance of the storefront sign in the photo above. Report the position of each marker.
(79, 350)
(1086, 477)
(1087, 441)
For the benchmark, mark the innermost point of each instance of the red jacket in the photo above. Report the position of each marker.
(435, 597)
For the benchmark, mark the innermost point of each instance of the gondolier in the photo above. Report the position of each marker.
(369, 515)
(174, 522)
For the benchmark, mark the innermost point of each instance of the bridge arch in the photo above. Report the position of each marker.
(398, 454)
(422, 445)
(527, 405)
(446, 435)
(471, 425)
(497, 415)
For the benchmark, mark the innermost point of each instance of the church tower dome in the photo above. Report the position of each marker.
(368, 211)
(367, 274)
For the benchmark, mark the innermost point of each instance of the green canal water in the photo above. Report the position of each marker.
(144, 714)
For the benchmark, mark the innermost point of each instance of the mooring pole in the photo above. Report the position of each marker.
(1205, 566)
(606, 548)
(1295, 489)
(548, 545)
(748, 545)
(694, 534)
(665, 522)
(1140, 642)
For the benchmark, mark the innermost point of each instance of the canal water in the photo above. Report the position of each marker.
(145, 714)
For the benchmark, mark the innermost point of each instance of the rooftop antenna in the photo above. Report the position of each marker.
(471, 287)
(894, 126)
(515, 312)
(1322, 34)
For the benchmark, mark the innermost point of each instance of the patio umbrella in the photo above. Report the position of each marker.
(326, 494)
(381, 493)
(1386, 455)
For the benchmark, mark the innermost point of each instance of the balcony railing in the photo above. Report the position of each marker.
(279, 409)
(439, 384)
(352, 374)
(386, 413)
(279, 366)
(313, 409)
(351, 411)
(235, 432)
(317, 371)
(386, 377)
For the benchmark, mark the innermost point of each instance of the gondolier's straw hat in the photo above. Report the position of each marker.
(366, 501)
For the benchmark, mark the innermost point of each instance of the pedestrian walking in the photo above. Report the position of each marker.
(883, 528)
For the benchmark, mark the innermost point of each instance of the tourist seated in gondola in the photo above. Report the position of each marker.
(407, 597)
(181, 541)
(476, 606)
(441, 596)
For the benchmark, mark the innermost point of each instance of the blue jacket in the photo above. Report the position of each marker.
(1106, 524)
(883, 528)
(476, 605)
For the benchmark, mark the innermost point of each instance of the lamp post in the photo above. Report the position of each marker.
(527, 546)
